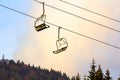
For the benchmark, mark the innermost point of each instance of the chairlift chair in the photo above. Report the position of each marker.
(61, 44)
(41, 26)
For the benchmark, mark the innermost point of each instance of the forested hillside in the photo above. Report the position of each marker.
(11, 70)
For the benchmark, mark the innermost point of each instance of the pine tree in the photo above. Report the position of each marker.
(78, 77)
(73, 78)
(99, 74)
(118, 78)
(92, 71)
(107, 76)
(85, 77)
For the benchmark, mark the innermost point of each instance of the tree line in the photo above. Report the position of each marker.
(11, 70)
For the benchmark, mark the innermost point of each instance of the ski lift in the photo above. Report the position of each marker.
(41, 26)
(61, 44)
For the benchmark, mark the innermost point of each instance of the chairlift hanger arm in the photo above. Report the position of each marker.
(59, 33)
(60, 46)
(43, 8)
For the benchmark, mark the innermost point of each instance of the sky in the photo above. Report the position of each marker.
(20, 41)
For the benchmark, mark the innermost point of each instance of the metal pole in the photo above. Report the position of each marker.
(43, 9)
(59, 33)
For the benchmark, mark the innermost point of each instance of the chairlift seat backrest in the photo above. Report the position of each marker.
(60, 43)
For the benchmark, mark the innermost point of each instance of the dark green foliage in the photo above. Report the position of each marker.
(78, 77)
(73, 78)
(85, 77)
(118, 79)
(91, 75)
(107, 76)
(9, 70)
(98, 74)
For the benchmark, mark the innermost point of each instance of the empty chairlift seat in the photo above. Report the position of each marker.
(40, 25)
(61, 45)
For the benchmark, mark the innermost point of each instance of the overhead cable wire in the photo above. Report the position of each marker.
(17, 11)
(90, 11)
(62, 27)
(80, 17)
